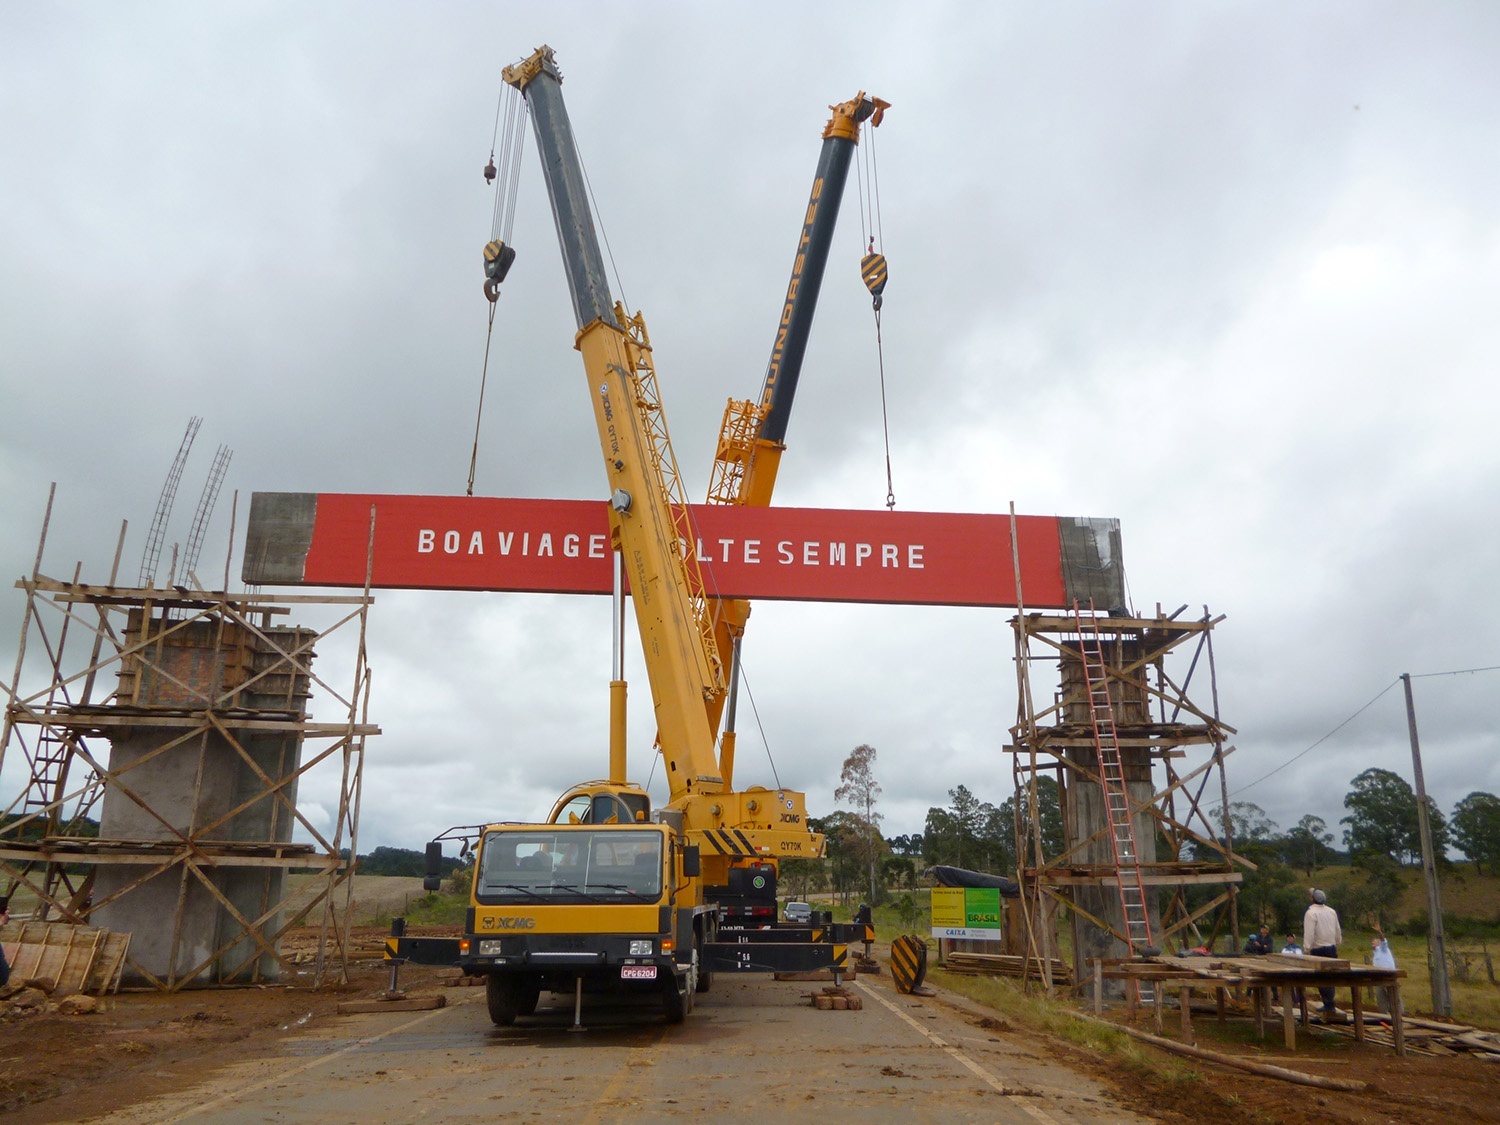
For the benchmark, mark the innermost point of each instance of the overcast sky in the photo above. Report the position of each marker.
(1226, 271)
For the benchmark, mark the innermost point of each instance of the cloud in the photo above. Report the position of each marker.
(1225, 272)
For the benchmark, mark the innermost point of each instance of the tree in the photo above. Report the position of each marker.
(1248, 822)
(998, 838)
(907, 845)
(1049, 806)
(898, 871)
(1269, 894)
(1383, 818)
(1476, 829)
(859, 790)
(844, 839)
(800, 877)
(401, 861)
(940, 838)
(1382, 888)
(968, 820)
(1309, 844)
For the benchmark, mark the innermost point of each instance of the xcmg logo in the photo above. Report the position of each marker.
(490, 923)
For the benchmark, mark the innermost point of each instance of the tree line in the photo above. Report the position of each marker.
(1380, 836)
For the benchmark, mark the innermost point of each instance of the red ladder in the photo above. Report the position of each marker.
(1112, 779)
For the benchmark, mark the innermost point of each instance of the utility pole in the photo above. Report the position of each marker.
(1442, 998)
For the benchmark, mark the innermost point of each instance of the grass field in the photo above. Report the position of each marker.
(1475, 1000)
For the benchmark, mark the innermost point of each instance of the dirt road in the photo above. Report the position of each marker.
(752, 1048)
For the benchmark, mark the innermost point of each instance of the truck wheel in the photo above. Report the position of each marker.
(505, 994)
(675, 999)
(677, 992)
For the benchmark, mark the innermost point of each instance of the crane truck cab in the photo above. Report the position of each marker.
(583, 907)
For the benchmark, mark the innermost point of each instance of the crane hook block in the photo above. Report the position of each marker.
(873, 269)
(490, 171)
(497, 261)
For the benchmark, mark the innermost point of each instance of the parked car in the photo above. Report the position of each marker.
(799, 912)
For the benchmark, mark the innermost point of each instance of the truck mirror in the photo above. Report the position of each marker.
(692, 867)
(432, 877)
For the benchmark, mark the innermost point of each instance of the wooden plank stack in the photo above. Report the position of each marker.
(1429, 1037)
(1006, 965)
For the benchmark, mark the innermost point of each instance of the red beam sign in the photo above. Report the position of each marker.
(799, 554)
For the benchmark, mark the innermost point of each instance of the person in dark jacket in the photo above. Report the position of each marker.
(1259, 943)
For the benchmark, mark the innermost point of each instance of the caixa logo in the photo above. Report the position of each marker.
(491, 923)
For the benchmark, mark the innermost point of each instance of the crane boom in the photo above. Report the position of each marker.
(752, 437)
(840, 136)
(648, 512)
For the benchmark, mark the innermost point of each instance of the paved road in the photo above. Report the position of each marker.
(753, 1048)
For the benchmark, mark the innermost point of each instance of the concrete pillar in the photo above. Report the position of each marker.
(186, 789)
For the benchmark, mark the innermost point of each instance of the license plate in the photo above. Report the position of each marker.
(637, 972)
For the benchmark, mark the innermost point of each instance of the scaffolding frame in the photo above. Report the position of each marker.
(47, 845)
(1157, 721)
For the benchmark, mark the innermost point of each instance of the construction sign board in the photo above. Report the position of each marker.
(970, 913)
(796, 554)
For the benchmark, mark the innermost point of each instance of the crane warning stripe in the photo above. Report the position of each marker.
(563, 546)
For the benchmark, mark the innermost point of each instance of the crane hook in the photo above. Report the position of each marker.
(497, 260)
(489, 170)
(872, 267)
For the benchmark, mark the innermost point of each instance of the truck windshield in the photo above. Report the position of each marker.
(565, 865)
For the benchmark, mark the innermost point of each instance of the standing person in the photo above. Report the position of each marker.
(4, 965)
(1381, 957)
(1321, 935)
(1290, 948)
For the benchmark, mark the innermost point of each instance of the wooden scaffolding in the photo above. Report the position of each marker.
(1122, 741)
(156, 765)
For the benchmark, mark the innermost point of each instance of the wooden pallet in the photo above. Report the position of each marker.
(74, 958)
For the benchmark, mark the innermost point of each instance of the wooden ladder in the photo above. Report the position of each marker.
(1112, 779)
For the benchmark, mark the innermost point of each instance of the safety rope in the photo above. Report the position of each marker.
(885, 422)
(479, 413)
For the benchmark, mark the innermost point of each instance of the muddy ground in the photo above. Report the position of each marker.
(60, 1068)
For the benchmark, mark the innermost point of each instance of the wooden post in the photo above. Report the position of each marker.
(1098, 986)
(1156, 994)
(1442, 998)
(1219, 994)
(1289, 1020)
(1185, 1006)
(1258, 1002)
(1398, 1028)
(1359, 1013)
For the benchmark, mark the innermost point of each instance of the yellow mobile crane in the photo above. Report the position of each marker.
(609, 893)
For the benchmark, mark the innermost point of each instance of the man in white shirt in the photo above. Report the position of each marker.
(1321, 935)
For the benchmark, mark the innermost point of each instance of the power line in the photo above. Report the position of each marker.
(1362, 710)
(1320, 741)
(1457, 672)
